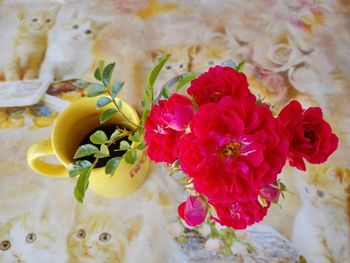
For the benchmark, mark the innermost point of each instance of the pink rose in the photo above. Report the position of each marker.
(193, 211)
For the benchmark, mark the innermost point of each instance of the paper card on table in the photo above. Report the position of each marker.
(22, 93)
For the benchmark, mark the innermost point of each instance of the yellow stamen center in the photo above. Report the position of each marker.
(232, 149)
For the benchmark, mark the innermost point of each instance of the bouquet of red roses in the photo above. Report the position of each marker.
(232, 147)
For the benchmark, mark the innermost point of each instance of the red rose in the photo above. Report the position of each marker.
(164, 127)
(217, 83)
(310, 136)
(240, 215)
(193, 211)
(234, 148)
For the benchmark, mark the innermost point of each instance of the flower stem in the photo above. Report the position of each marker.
(116, 105)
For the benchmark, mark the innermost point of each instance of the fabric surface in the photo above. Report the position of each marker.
(294, 50)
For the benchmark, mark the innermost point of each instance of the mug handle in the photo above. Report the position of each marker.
(40, 149)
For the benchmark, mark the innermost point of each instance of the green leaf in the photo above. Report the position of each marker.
(130, 156)
(107, 74)
(82, 184)
(85, 150)
(101, 65)
(145, 114)
(77, 167)
(124, 145)
(186, 78)
(107, 114)
(141, 146)
(166, 92)
(148, 96)
(282, 194)
(276, 201)
(97, 74)
(99, 70)
(135, 137)
(120, 104)
(77, 195)
(112, 165)
(95, 89)
(241, 66)
(104, 152)
(116, 88)
(104, 149)
(114, 135)
(262, 201)
(282, 186)
(99, 137)
(156, 69)
(103, 101)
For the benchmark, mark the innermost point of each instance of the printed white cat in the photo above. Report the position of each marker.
(69, 55)
(322, 226)
(33, 237)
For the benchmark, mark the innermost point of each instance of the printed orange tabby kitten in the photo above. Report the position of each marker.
(205, 56)
(29, 44)
(99, 236)
(178, 63)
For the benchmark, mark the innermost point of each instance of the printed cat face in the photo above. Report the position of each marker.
(79, 30)
(36, 22)
(207, 56)
(30, 238)
(96, 238)
(323, 186)
(177, 64)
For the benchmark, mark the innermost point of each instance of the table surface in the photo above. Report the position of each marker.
(294, 50)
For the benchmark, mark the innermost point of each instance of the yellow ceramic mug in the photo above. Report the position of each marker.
(74, 124)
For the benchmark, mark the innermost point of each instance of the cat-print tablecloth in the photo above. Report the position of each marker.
(294, 50)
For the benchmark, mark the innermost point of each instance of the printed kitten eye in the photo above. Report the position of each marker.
(181, 65)
(48, 20)
(104, 237)
(320, 193)
(81, 234)
(5, 245)
(34, 20)
(75, 27)
(31, 237)
(210, 62)
(168, 67)
(88, 32)
(307, 190)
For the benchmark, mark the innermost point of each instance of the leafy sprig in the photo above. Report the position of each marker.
(100, 143)
(108, 93)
